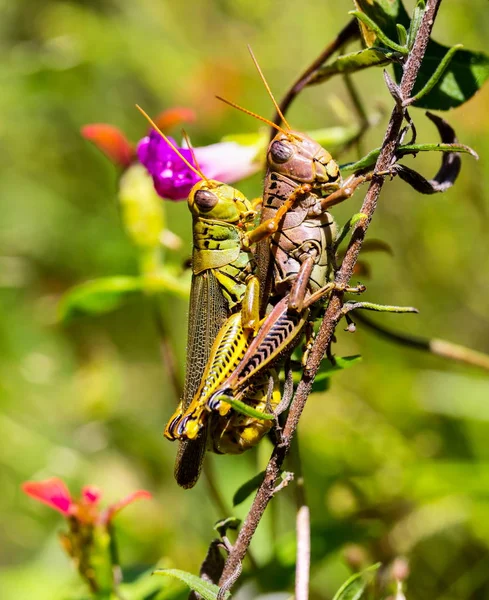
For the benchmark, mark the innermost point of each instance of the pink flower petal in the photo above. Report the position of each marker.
(91, 494)
(52, 492)
(111, 141)
(110, 512)
(227, 161)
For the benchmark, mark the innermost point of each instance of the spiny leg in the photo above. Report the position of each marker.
(272, 225)
(301, 282)
(349, 186)
(329, 287)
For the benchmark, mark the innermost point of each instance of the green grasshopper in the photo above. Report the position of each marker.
(302, 181)
(223, 283)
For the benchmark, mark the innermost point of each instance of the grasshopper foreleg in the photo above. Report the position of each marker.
(329, 287)
(272, 225)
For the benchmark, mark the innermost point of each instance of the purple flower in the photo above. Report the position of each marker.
(173, 179)
(171, 176)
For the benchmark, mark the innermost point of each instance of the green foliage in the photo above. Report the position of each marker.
(245, 490)
(98, 296)
(354, 587)
(396, 451)
(207, 590)
(459, 80)
(370, 159)
(224, 524)
(322, 381)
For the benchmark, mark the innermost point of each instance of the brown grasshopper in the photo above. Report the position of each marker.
(295, 263)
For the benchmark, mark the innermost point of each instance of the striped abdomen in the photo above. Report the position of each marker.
(278, 332)
(226, 353)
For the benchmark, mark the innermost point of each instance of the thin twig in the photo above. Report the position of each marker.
(167, 349)
(349, 32)
(333, 312)
(436, 346)
(302, 525)
(361, 116)
(214, 493)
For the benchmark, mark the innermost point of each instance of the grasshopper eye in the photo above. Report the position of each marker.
(281, 152)
(205, 200)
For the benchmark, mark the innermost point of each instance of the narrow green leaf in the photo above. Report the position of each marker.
(462, 78)
(353, 62)
(245, 409)
(389, 308)
(322, 380)
(465, 74)
(386, 14)
(224, 524)
(354, 587)
(207, 590)
(341, 363)
(381, 36)
(370, 159)
(98, 296)
(435, 78)
(415, 22)
(348, 226)
(248, 488)
(402, 34)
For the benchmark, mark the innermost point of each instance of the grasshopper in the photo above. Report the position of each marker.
(223, 282)
(294, 265)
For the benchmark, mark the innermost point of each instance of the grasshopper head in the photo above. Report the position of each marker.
(218, 201)
(300, 158)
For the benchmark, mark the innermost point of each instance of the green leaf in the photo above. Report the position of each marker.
(98, 296)
(370, 159)
(380, 35)
(386, 14)
(248, 488)
(321, 382)
(224, 524)
(207, 590)
(463, 77)
(341, 362)
(354, 587)
(353, 62)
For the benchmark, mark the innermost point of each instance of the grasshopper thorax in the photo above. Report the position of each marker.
(218, 201)
(298, 157)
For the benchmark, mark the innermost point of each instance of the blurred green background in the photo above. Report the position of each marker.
(396, 454)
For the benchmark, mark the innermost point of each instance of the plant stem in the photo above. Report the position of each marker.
(334, 310)
(442, 348)
(349, 32)
(302, 525)
(167, 349)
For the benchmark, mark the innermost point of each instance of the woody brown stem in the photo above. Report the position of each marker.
(334, 310)
(350, 31)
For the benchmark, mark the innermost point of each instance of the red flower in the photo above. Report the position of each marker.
(55, 494)
(114, 144)
(111, 141)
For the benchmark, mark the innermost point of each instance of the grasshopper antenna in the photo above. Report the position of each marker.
(189, 146)
(252, 114)
(265, 83)
(197, 171)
